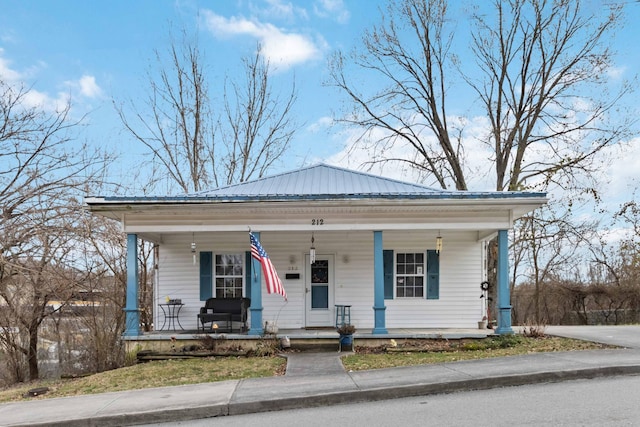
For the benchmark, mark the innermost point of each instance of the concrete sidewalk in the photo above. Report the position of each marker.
(314, 379)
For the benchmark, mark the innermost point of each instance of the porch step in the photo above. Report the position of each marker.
(314, 345)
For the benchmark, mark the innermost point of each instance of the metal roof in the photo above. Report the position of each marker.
(325, 182)
(320, 179)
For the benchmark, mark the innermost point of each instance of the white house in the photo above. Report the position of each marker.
(375, 249)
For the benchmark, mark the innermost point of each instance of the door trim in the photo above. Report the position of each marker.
(319, 317)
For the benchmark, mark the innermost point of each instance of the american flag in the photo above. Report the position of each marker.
(274, 284)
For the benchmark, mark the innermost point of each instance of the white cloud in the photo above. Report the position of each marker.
(89, 87)
(6, 72)
(282, 49)
(278, 9)
(333, 9)
(617, 175)
(619, 172)
(476, 154)
(32, 97)
(320, 124)
(616, 73)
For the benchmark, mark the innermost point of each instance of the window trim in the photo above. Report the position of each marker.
(215, 276)
(431, 269)
(396, 275)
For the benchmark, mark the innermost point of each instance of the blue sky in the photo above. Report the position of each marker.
(99, 51)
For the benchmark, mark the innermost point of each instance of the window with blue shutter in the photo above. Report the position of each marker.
(206, 275)
(433, 275)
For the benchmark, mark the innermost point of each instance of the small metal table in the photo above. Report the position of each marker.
(171, 313)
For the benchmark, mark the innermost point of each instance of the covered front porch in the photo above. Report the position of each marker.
(401, 255)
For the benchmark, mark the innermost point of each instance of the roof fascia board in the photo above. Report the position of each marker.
(191, 228)
(421, 203)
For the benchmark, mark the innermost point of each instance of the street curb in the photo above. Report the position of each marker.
(412, 390)
(342, 397)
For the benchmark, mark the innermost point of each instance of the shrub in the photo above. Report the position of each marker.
(534, 331)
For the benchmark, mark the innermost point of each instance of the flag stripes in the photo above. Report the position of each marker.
(273, 282)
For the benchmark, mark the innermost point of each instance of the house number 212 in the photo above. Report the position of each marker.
(317, 221)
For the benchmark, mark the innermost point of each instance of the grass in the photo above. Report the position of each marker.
(202, 370)
(409, 353)
(155, 374)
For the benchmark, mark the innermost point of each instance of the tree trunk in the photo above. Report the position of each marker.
(32, 356)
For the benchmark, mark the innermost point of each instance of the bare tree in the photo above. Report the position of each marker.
(413, 105)
(544, 87)
(538, 67)
(103, 259)
(41, 171)
(258, 124)
(547, 244)
(175, 123)
(195, 147)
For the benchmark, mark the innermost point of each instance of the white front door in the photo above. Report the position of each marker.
(319, 291)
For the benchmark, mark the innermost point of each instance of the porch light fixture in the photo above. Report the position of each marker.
(438, 243)
(193, 247)
(312, 251)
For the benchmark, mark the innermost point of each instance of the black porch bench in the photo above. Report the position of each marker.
(227, 310)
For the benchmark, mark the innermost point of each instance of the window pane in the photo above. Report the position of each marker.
(229, 275)
(319, 297)
(410, 273)
(320, 272)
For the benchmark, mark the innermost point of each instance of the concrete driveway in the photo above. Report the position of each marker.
(624, 336)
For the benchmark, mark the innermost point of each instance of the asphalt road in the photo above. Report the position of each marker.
(623, 335)
(600, 402)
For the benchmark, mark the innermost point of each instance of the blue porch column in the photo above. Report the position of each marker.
(378, 285)
(256, 296)
(132, 313)
(504, 299)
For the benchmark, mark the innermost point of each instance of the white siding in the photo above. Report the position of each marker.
(459, 305)
(460, 276)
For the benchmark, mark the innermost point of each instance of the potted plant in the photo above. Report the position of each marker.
(346, 332)
(483, 323)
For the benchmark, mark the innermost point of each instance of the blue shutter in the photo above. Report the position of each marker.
(206, 275)
(433, 275)
(387, 262)
(247, 274)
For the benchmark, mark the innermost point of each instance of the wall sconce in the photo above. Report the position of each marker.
(292, 259)
(193, 248)
(438, 244)
(312, 251)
